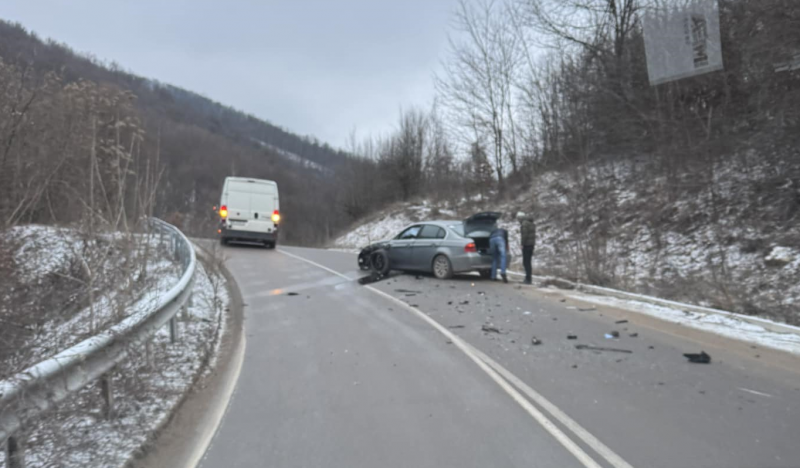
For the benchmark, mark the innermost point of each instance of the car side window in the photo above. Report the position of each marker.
(410, 233)
(429, 231)
(441, 234)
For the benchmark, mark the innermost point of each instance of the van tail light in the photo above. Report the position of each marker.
(223, 211)
(471, 247)
(276, 216)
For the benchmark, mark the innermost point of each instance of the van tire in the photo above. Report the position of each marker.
(379, 262)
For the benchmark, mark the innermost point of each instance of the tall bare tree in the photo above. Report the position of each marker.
(477, 84)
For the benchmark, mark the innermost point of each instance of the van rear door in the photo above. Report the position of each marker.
(251, 204)
(262, 205)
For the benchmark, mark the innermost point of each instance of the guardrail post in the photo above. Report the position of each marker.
(108, 396)
(15, 455)
(173, 330)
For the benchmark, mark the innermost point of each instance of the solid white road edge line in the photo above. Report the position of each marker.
(556, 412)
(494, 371)
(218, 412)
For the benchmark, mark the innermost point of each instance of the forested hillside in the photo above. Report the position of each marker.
(688, 189)
(66, 116)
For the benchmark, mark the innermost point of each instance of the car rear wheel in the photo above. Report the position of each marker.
(485, 274)
(379, 262)
(223, 241)
(442, 268)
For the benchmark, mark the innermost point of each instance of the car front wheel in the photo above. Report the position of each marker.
(379, 262)
(442, 268)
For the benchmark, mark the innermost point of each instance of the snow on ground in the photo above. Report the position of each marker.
(77, 434)
(43, 249)
(625, 226)
(45, 262)
(292, 156)
(389, 223)
(728, 326)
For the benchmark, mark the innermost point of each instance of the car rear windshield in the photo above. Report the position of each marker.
(458, 229)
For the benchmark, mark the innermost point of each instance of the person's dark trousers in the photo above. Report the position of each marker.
(527, 255)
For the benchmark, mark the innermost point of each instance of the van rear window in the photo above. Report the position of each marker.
(250, 187)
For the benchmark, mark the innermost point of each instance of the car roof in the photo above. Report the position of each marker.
(440, 222)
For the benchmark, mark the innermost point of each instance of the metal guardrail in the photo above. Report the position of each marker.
(43, 385)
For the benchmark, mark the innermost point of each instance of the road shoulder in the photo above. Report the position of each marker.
(184, 439)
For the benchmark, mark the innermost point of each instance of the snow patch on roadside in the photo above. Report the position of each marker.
(77, 434)
(728, 326)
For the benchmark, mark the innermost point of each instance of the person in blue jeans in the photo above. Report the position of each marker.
(498, 246)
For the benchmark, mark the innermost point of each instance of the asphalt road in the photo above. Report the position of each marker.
(338, 375)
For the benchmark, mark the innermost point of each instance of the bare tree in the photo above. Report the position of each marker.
(477, 85)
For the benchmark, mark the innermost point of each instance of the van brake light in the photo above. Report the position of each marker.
(471, 247)
(223, 211)
(276, 216)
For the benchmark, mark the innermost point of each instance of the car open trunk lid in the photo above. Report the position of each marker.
(479, 227)
(481, 224)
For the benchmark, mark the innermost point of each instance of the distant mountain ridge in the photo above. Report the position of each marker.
(195, 140)
(19, 45)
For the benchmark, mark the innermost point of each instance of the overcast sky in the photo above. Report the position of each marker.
(316, 67)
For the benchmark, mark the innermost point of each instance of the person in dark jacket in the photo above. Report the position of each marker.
(527, 230)
(498, 246)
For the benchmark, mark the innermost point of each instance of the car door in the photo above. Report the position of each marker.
(425, 247)
(402, 245)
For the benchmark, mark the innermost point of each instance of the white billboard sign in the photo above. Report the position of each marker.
(682, 39)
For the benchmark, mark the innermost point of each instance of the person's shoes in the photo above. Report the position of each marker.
(505, 278)
(528, 282)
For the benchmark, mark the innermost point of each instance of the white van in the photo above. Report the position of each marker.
(250, 211)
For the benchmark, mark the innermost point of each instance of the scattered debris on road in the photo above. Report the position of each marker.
(490, 329)
(586, 309)
(612, 335)
(453, 327)
(292, 294)
(633, 335)
(527, 312)
(536, 341)
(702, 358)
(374, 277)
(463, 303)
(602, 348)
(621, 321)
(572, 337)
(407, 291)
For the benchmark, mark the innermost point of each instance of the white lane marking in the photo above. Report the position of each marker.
(556, 412)
(218, 412)
(754, 392)
(495, 371)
